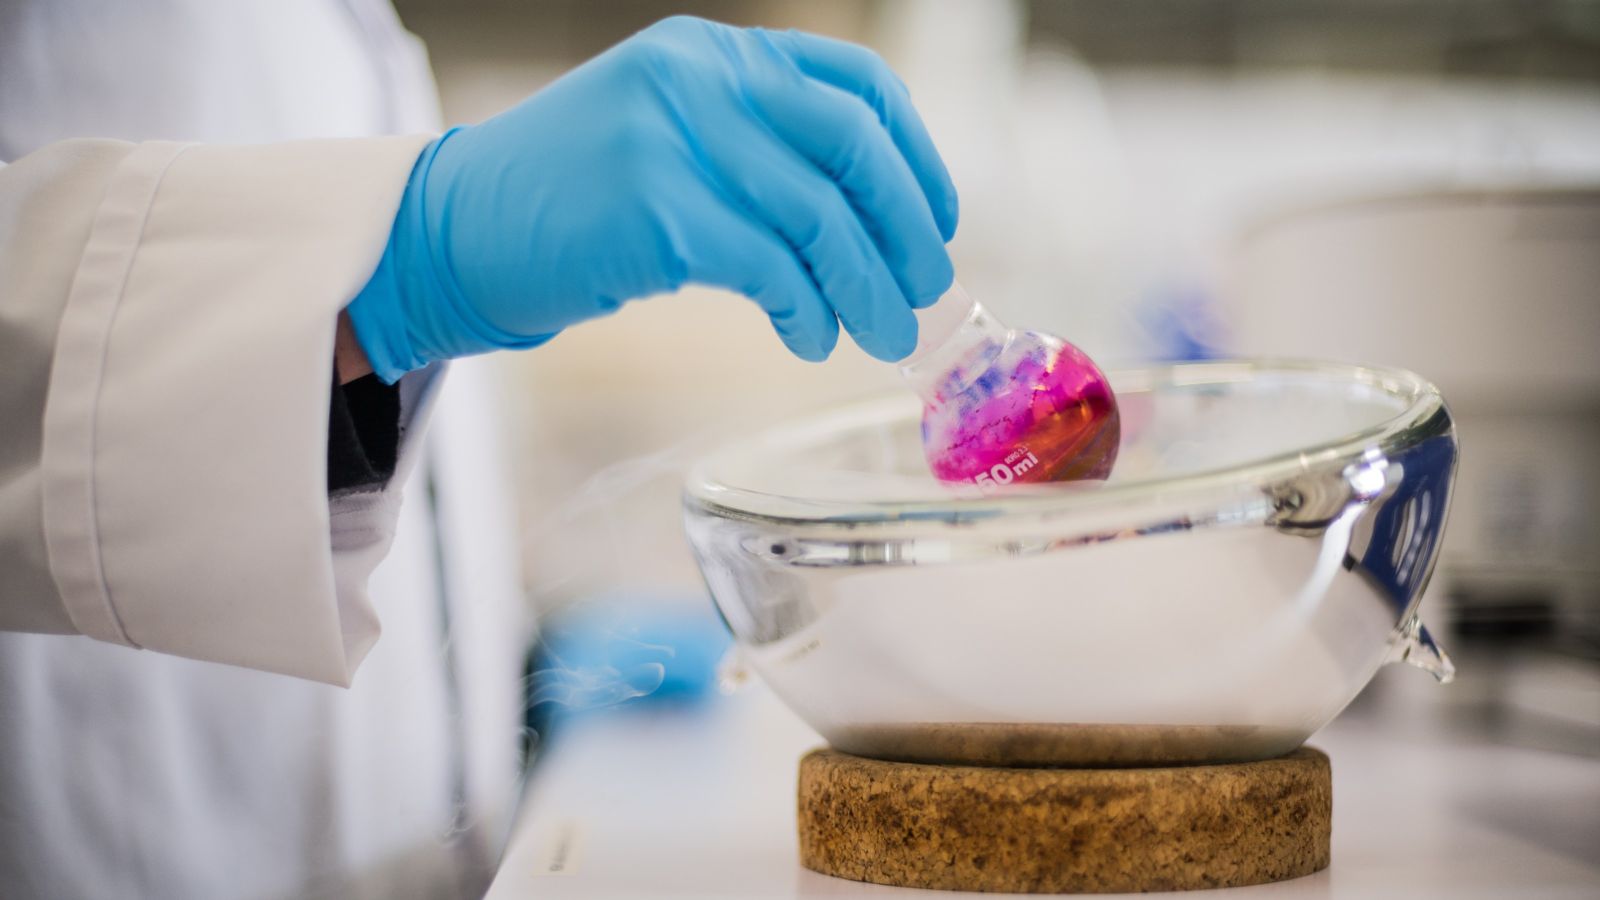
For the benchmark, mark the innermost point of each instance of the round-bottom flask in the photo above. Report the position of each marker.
(1002, 406)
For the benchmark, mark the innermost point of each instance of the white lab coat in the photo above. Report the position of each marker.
(166, 330)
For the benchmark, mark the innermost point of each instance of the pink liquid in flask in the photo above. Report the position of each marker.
(1003, 406)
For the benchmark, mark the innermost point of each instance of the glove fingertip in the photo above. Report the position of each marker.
(892, 348)
(811, 354)
(805, 347)
(935, 285)
(949, 215)
(831, 340)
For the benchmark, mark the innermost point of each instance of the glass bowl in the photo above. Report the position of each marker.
(1258, 552)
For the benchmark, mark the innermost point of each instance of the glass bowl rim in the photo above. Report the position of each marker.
(707, 494)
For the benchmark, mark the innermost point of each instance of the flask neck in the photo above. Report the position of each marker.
(953, 351)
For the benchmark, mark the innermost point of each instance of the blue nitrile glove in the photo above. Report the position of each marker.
(788, 167)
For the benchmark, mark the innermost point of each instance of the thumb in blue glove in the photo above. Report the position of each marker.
(784, 166)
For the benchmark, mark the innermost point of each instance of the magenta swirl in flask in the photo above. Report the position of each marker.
(1004, 406)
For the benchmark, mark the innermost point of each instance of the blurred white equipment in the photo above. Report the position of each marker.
(1497, 296)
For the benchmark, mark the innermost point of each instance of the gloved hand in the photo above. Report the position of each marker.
(784, 166)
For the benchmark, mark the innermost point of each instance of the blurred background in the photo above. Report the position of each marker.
(1409, 184)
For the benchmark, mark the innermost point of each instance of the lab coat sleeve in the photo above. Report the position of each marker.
(167, 316)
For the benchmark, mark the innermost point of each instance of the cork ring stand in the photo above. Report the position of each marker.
(978, 828)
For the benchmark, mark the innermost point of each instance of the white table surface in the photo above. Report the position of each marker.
(663, 801)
